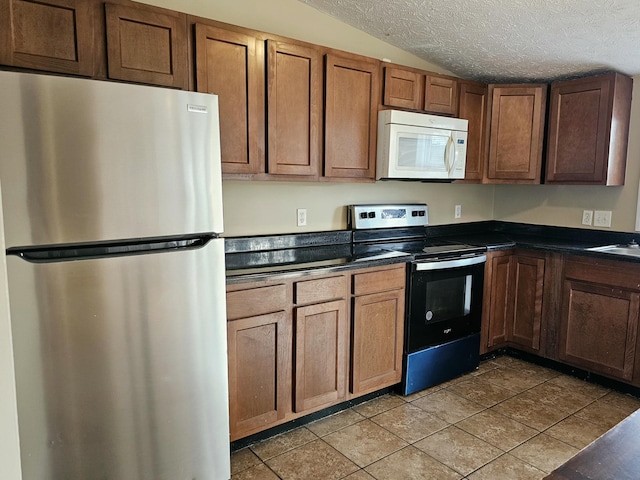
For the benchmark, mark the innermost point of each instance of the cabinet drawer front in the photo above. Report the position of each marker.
(256, 301)
(380, 281)
(320, 290)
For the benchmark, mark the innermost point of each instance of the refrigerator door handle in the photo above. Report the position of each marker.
(65, 253)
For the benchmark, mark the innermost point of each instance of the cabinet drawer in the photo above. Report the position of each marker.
(379, 281)
(320, 290)
(256, 301)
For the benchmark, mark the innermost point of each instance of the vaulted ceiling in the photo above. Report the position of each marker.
(504, 40)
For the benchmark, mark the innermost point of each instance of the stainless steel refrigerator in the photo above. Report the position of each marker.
(112, 204)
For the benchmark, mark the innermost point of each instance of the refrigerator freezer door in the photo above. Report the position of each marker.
(84, 160)
(121, 366)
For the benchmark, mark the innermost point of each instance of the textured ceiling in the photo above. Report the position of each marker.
(504, 40)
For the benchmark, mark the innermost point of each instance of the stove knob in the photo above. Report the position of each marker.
(414, 213)
(363, 214)
(421, 213)
(372, 214)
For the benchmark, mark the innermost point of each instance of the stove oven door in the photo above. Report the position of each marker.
(445, 301)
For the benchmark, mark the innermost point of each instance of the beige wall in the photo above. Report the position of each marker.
(253, 208)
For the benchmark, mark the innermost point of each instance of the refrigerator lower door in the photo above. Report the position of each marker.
(121, 366)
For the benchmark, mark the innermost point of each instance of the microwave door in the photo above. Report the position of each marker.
(420, 152)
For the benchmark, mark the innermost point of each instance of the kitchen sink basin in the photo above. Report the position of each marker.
(631, 250)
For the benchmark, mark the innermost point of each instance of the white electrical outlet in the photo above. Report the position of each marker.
(458, 211)
(602, 218)
(302, 216)
(587, 217)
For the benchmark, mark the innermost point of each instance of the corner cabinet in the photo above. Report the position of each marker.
(516, 130)
(589, 130)
(378, 328)
(49, 35)
(351, 116)
(520, 297)
(600, 317)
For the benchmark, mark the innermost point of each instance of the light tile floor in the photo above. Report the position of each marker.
(507, 420)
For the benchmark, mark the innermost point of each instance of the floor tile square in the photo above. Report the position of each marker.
(448, 406)
(379, 405)
(334, 422)
(243, 460)
(480, 391)
(507, 467)
(625, 402)
(312, 460)
(258, 472)
(532, 413)
(498, 430)
(580, 386)
(359, 475)
(458, 449)
(282, 443)
(602, 413)
(544, 452)
(411, 464)
(511, 379)
(576, 432)
(409, 422)
(365, 442)
(553, 395)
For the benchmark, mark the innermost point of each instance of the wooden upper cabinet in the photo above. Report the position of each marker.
(230, 64)
(294, 108)
(473, 107)
(147, 45)
(351, 116)
(441, 94)
(589, 130)
(516, 133)
(402, 88)
(50, 35)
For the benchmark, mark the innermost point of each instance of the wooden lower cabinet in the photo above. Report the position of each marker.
(517, 285)
(525, 316)
(378, 336)
(297, 343)
(321, 352)
(497, 274)
(600, 316)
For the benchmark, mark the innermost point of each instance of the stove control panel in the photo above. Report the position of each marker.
(387, 216)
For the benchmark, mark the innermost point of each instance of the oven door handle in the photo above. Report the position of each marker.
(455, 263)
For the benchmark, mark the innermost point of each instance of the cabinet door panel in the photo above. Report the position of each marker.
(147, 46)
(378, 336)
(51, 35)
(588, 130)
(599, 328)
(294, 109)
(259, 372)
(441, 94)
(499, 301)
(402, 88)
(517, 124)
(320, 355)
(350, 117)
(231, 65)
(473, 107)
(525, 320)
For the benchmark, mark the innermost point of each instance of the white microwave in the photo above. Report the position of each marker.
(420, 146)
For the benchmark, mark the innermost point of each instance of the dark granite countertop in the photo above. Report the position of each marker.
(262, 256)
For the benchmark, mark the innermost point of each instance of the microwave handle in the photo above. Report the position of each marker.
(450, 155)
